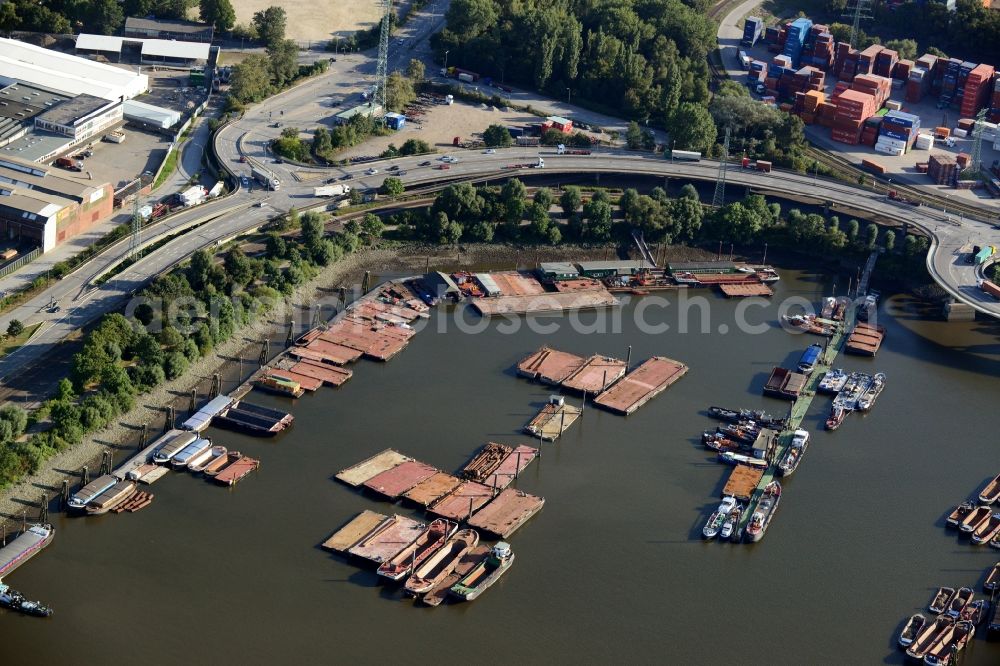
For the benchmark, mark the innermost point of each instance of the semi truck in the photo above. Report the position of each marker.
(192, 196)
(265, 177)
(69, 163)
(561, 149)
(332, 191)
(540, 164)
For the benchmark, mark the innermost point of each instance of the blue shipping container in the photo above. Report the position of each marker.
(899, 136)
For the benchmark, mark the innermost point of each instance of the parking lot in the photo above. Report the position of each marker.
(117, 163)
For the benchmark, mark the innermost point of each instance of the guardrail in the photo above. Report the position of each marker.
(20, 262)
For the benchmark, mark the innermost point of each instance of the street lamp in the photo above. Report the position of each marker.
(446, 62)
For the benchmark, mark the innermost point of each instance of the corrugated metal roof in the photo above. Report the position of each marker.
(89, 42)
(71, 74)
(612, 265)
(489, 284)
(167, 48)
(558, 267)
(155, 115)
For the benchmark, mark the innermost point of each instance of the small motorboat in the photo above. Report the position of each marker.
(836, 417)
(941, 600)
(991, 493)
(732, 520)
(975, 612)
(992, 579)
(718, 518)
(833, 381)
(719, 442)
(911, 630)
(485, 574)
(987, 531)
(959, 514)
(15, 601)
(731, 458)
(962, 598)
(975, 518)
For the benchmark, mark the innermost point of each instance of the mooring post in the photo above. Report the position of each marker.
(64, 494)
(24, 521)
(288, 338)
(583, 405)
(517, 470)
(142, 437)
(84, 476)
(470, 509)
(43, 509)
(171, 417)
(628, 358)
(3, 528)
(194, 399)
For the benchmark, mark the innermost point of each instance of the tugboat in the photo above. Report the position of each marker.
(836, 417)
(15, 601)
(800, 442)
(762, 516)
(483, 576)
(871, 393)
(719, 442)
(732, 520)
(718, 518)
(832, 382)
(911, 630)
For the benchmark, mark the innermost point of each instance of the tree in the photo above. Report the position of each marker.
(414, 147)
(449, 231)
(693, 128)
(270, 24)
(906, 48)
(392, 187)
(633, 136)
(9, 19)
(219, 13)
(312, 229)
(282, 57)
(372, 227)
(689, 191)
(238, 266)
(512, 194)
(889, 240)
(570, 200)
(853, 227)
(251, 79)
(398, 92)
(871, 236)
(497, 136)
(415, 70)
(598, 215)
(15, 328)
(543, 198)
(105, 16)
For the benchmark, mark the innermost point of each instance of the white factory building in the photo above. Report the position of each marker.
(68, 73)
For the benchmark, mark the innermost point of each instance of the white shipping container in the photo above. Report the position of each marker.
(925, 141)
(893, 105)
(890, 142)
(958, 131)
(887, 150)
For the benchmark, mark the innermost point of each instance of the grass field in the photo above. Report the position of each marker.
(7, 345)
(315, 21)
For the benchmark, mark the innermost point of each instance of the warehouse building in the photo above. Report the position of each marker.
(81, 117)
(606, 269)
(366, 109)
(147, 115)
(174, 53)
(19, 104)
(67, 74)
(557, 270)
(168, 29)
(41, 205)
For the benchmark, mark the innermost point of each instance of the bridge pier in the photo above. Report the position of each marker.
(955, 311)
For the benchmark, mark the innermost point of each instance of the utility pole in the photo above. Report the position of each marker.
(133, 248)
(382, 69)
(719, 199)
(973, 169)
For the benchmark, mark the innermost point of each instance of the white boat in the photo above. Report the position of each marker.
(718, 518)
(790, 461)
(79, 500)
(872, 392)
(199, 462)
(732, 520)
(191, 451)
(731, 458)
(833, 381)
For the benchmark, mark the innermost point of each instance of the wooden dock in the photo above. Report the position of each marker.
(354, 531)
(366, 469)
(596, 374)
(550, 366)
(641, 385)
(507, 512)
(394, 482)
(385, 543)
(462, 502)
(510, 467)
(432, 489)
(547, 302)
(745, 290)
(552, 421)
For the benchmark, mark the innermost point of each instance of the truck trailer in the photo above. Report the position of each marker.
(332, 191)
(265, 177)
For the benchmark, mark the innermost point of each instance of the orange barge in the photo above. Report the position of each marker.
(641, 385)
(596, 374)
(463, 501)
(432, 489)
(510, 467)
(235, 472)
(745, 289)
(865, 339)
(357, 474)
(394, 482)
(507, 512)
(549, 365)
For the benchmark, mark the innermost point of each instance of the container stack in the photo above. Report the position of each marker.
(845, 61)
(994, 114)
(897, 133)
(869, 131)
(885, 62)
(901, 72)
(795, 39)
(752, 29)
(866, 60)
(924, 142)
(853, 108)
(877, 86)
(811, 105)
(949, 80)
(917, 85)
(943, 169)
(818, 48)
(773, 38)
(758, 71)
(976, 91)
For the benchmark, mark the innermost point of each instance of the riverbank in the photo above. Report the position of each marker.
(150, 407)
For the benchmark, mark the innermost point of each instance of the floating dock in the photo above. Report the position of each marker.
(357, 529)
(462, 502)
(549, 366)
(148, 473)
(641, 385)
(485, 461)
(366, 469)
(865, 339)
(742, 290)
(468, 562)
(507, 512)
(394, 482)
(318, 349)
(596, 374)
(24, 546)
(742, 482)
(235, 472)
(432, 489)
(324, 373)
(385, 543)
(145, 455)
(785, 384)
(553, 421)
(547, 302)
(512, 283)
(510, 467)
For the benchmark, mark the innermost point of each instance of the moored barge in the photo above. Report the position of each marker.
(24, 546)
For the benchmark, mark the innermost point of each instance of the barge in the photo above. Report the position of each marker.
(595, 375)
(110, 498)
(279, 385)
(742, 482)
(463, 502)
(510, 467)
(166, 452)
(24, 546)
(472, 558)
(641, 385)
(483, 576)
(440, 564)
(485, 461)
(553, 420)
(785, 384)
(432, 489)
(251, 419)
(865, 340)
(81, 498)
(357, 474)
(410, 558)
(549, 366)
(547, 302)
(392, 483)
(234, 472)
(359, 527)
(507, 512)
(391, 537)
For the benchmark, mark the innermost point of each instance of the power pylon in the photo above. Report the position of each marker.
(133, 248)
(719, 199)
(382, 69)
(860, 10)
(975, 163)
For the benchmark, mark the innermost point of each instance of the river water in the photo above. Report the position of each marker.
(611, 570)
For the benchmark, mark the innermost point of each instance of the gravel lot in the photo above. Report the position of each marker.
(315, 21)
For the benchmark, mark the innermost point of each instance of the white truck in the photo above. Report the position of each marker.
(192, 196)
(265, 177)
(332, 191)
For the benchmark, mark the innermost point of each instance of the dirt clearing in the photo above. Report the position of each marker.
(315, 21)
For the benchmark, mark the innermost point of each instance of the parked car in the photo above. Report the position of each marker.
(490, 151)
(372, 171)
(394, 167)
(425, 163)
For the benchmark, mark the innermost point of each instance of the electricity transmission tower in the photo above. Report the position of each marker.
(381, 71)
(860, 10)
(133, 248)
(719, 199)
(975, 163)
